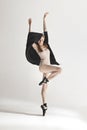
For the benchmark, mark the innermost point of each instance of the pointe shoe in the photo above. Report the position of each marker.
(44, 108)
(45, 80)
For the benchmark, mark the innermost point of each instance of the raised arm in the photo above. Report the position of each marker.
(44, 22)
(29, 22)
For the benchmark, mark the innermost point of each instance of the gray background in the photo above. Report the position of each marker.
(67, 27)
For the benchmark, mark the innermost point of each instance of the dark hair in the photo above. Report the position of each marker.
(44, 44)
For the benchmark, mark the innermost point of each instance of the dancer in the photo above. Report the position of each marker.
(45, 58)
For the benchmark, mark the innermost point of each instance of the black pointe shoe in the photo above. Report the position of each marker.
(45, 80)
(44, 108)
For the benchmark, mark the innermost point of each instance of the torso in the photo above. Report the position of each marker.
(44, 56)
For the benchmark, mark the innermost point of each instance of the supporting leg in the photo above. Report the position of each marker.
(43, 94)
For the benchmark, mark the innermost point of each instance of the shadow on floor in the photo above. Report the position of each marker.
(23, 113)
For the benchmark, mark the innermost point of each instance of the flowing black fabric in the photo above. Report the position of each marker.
(31, 54)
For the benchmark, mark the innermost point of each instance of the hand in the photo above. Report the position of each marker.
(29, 21)
(45, 14)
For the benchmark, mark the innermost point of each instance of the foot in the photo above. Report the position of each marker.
(44, 108)
(45, 80)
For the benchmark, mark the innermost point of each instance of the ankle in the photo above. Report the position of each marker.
(46, 79)
(45, 104)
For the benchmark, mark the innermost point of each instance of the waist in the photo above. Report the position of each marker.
(46, 62)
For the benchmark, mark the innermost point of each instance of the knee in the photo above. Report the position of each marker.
(59, 69)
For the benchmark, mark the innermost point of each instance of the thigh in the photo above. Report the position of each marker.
(48, 68)
(45, 75)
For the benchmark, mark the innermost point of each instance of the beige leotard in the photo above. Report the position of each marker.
(45, 57)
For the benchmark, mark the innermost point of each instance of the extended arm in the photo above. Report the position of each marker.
(29, 22)
(44, 22)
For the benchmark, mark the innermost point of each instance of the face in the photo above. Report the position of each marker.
(41, 41)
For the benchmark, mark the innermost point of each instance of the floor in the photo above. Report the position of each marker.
(32, 119)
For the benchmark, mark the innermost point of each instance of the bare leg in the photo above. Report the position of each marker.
(43, 93)
(53, 70)
(44, 89)
(52, 75)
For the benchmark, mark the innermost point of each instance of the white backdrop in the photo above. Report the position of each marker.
(67, 27)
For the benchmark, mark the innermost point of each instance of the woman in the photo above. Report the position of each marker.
(44, 51)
